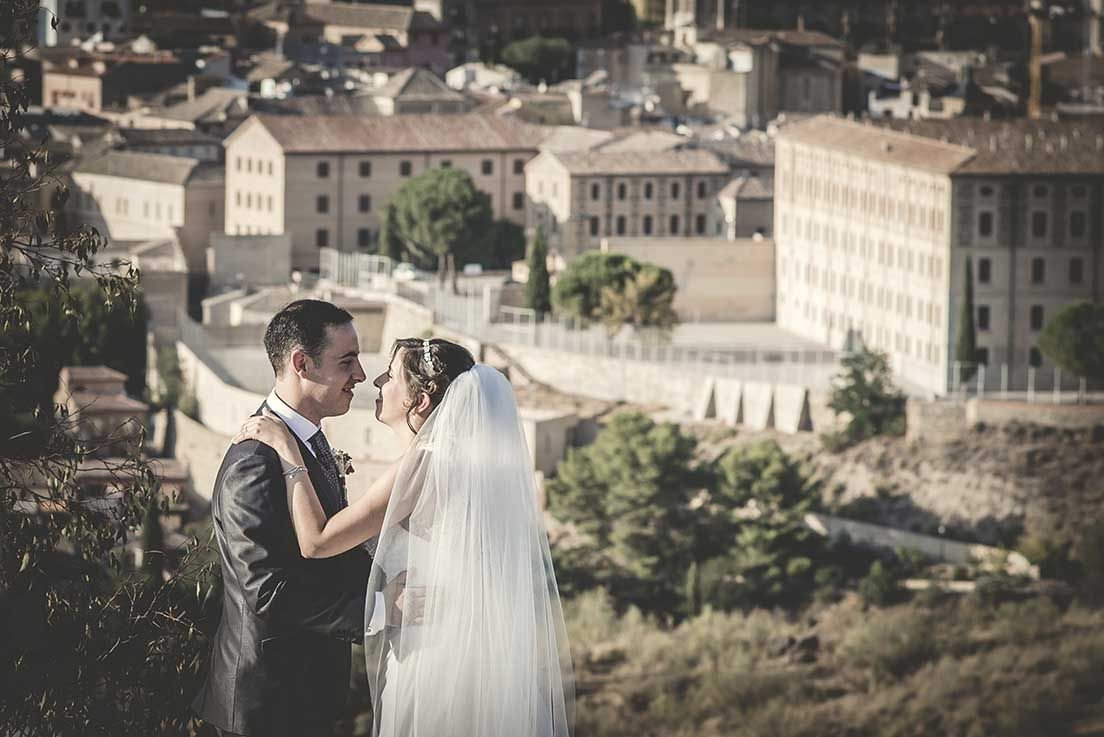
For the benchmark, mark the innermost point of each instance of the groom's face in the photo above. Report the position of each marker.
(329, 380)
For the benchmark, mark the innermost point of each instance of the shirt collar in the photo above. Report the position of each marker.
(303, 428)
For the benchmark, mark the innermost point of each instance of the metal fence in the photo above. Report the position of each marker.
(1045, 384)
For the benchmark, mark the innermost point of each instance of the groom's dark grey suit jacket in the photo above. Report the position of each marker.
(280, 661)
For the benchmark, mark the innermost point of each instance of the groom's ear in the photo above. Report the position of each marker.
(299, 360)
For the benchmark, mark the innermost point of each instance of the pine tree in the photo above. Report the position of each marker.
(966, 348)
(538, 292)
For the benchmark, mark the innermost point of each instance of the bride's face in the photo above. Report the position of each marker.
(393, 396)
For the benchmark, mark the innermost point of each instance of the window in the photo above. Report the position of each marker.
(595, 191)
(1036, 317)
(675, 190)
(249, 199)
(321, 238)
(1038, 271)
(699, 224)
(1077, 224)
(237, 163)
(1040, 191)
(519, 166)
(983, 317)
(323, 169)
(322, 204)
(446, 164)
(405, 168)
(701, 190)
(270, 168)
(1039, 224)
(986, 191)
(364, 168)
(647, 190)
(985, 269)
(269, 203)
(519, 201)
(237, 199)
(647, 225)
(364, 203)
(1076, 271)
(488, 167)
(673, 225)
(985, 224)
(1079, 192)
(982, 356)
(364, 237)
(621, 190)
(1034, 357)
(593, 225)
(620, 225)
(249, 166)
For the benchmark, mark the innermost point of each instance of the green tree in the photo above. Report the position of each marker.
(537, 290)
(540, 59)
(615, 290)
(630, 492)
(87, 649)
(390, 244)
(500, 246)
(754, 544)
(644, 299)
(966, 346)
(1074, 340)
(438, 213)
(864, 392)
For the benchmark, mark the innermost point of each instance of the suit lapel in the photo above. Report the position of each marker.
(328, 497)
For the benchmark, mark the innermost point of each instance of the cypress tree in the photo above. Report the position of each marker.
(966, 348)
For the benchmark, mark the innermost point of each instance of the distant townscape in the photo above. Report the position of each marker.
(853, 247)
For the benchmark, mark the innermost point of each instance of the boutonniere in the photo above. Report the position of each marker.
(344, 464)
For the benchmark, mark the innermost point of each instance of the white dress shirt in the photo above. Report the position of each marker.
(304, 429)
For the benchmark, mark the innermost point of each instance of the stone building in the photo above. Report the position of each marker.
(580, 197)
(95, 81)
(132, 196)
(875, 223)
(326, 180)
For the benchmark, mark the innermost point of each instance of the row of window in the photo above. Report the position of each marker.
(1036, 317)
(649, 190)
(647, 225)
(1076, 225)
(1076, 273)
(406, 167)
(1039, 191)
(364, 237)
(869, 202)
(885, 254)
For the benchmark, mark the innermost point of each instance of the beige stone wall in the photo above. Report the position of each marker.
(865, 245)
(260, 260)
(717, 280)
(576, 221)
(998, 412)
(201, 449)
(80, 91)
(204, 204)
(349, 216)
(936, 421)
(125, 209)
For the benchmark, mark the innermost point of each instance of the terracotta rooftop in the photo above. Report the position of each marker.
(672, 161)
(349, 15)
(146, 167)
(429, 132)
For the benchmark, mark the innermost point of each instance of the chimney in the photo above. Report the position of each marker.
(191, 85)
(801, 21)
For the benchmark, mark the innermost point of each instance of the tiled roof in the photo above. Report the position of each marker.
(674, 161)
(142, 166)
(753, 37)
(416, 83)
(874, 142)
(351, 15)
(748, 188)
(430, 132)
(965, 145)
(167, 137)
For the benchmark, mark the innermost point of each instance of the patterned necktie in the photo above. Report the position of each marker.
(329, 465)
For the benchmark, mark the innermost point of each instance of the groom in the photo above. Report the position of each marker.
(280, 662)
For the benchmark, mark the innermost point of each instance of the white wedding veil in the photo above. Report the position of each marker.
(479, 648)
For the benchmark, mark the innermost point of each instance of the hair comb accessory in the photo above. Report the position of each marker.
(432, 364)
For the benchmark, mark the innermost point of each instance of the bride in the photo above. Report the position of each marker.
(464, 634)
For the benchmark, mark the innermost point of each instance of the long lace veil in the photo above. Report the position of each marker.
(480, 648)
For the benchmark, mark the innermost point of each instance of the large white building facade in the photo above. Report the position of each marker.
(875, 224)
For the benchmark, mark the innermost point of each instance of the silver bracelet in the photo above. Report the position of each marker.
(294, 471)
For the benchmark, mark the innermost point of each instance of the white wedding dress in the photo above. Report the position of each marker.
(481, 649)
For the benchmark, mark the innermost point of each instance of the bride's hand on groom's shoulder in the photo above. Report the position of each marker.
(268, 429)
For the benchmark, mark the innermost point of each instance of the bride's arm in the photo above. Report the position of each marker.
(320, 537)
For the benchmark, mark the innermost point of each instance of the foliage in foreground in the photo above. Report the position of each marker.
(89, 646)
(616, 290)
(1074, 340)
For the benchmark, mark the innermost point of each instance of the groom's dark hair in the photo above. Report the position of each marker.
(301, 324)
